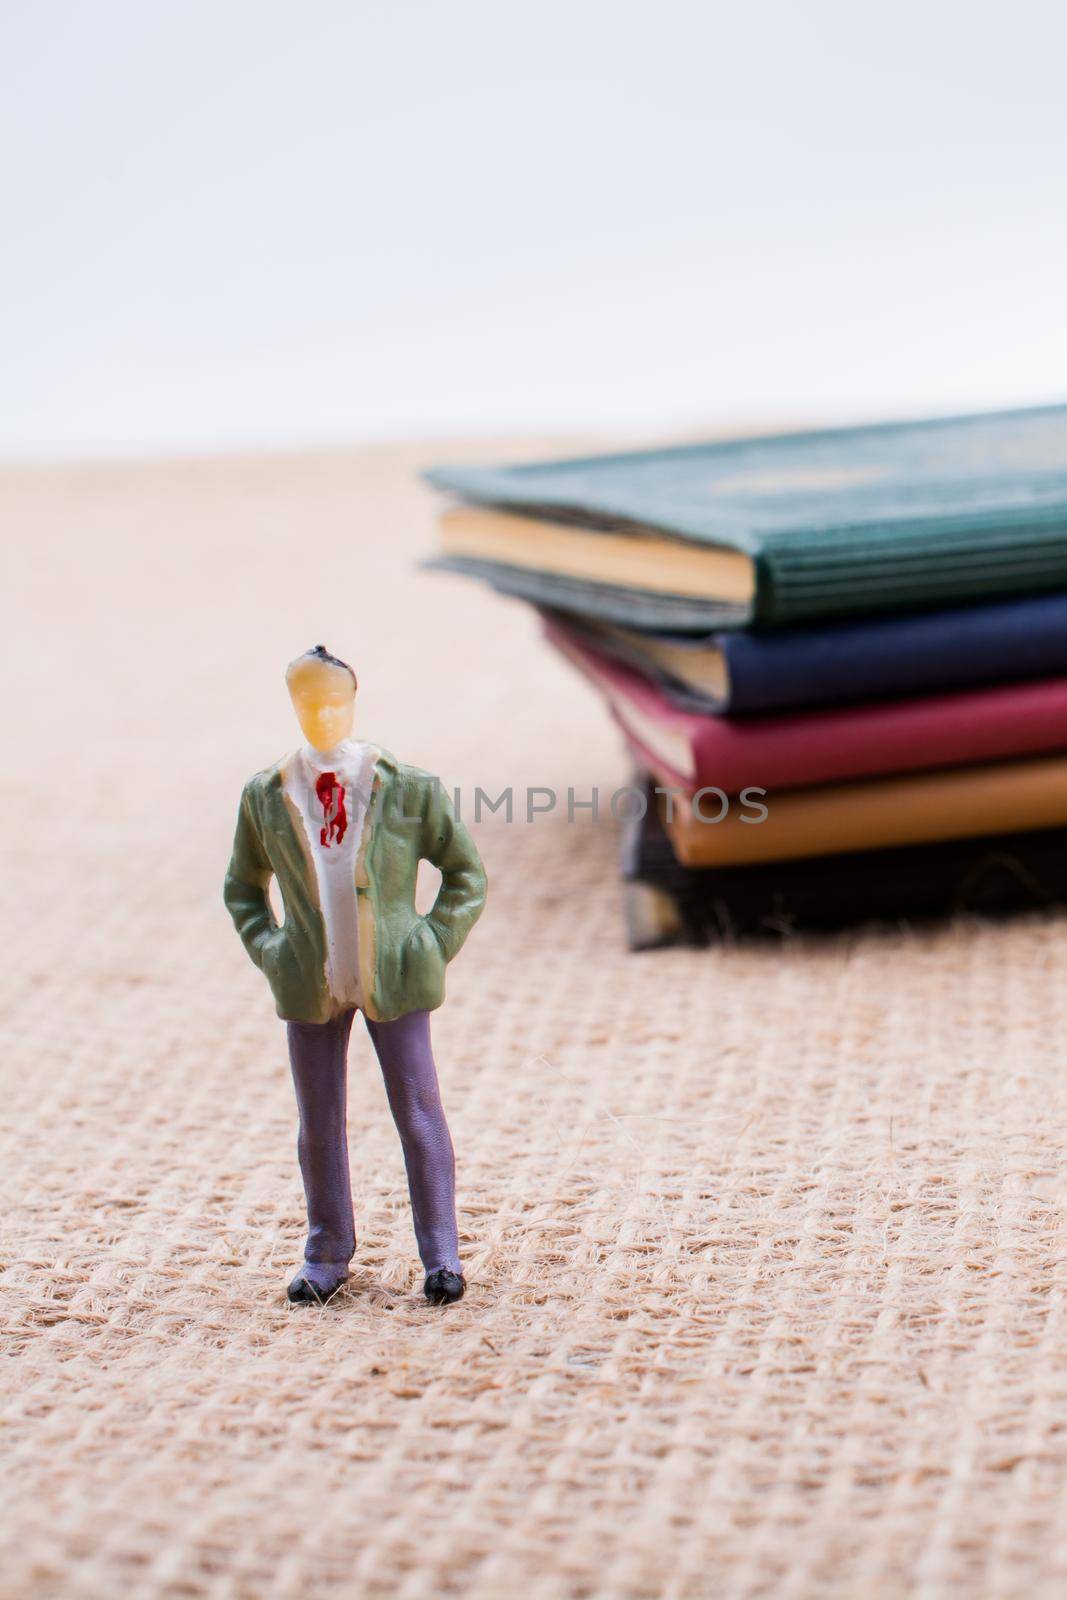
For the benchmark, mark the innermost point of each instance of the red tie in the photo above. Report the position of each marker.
(331, 796)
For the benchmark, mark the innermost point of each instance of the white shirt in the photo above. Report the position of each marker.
(331, 790)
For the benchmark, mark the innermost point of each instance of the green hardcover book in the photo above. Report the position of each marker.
(770, 531)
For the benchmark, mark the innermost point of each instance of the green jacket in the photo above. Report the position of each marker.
(402, 955)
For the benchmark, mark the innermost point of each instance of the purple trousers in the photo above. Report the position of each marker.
(318, 1054)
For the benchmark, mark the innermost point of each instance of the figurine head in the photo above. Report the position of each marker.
(323, 692)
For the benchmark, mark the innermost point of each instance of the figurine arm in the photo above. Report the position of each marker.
(450, 848)
(247, 881)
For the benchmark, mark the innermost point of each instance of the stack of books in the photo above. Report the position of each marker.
(839, 660)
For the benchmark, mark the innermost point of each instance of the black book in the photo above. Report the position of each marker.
(667, 903)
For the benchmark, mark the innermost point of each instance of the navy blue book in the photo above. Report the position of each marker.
(921, 652)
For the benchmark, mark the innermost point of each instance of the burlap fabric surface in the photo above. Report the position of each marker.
(765, 1246)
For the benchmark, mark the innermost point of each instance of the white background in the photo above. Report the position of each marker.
(253, 224)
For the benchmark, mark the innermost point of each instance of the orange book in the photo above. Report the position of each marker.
(996, 797)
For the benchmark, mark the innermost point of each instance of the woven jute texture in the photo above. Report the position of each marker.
(765, 1245)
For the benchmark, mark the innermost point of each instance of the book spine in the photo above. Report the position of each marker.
(916, 653)
(843, 571)
(879, 813)
(1020, 871)
(893, 736)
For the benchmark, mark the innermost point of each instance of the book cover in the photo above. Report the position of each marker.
(667, 903)
(910, 654)
(872, 813)
(847, 520)
(802, 749)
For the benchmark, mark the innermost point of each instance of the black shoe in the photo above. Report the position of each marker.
(444, 1288)
(316, 1283)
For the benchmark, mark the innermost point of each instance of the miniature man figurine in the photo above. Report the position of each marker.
(342, 827)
